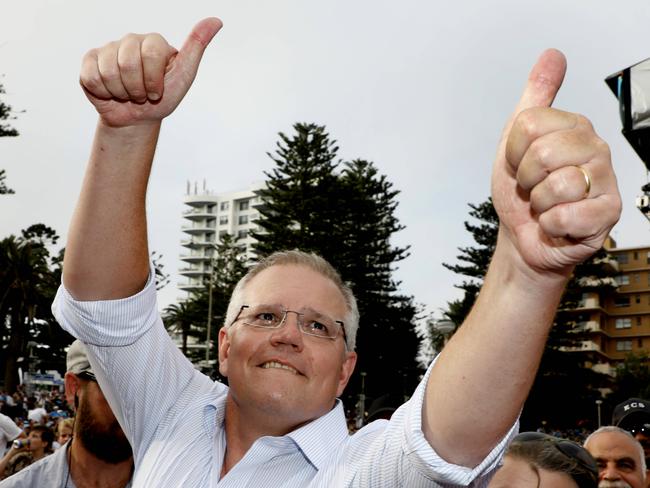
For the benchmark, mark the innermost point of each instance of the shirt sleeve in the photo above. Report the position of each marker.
(399, 454)
(9, 428)
(141, 372)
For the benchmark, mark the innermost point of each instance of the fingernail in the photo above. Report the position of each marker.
(153, 96)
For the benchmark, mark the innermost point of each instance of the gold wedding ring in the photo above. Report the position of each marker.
(587, 181)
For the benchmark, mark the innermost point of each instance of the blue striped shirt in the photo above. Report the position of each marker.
(174, 417)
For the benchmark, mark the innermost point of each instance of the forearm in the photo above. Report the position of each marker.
(483, 376)
(107, 255)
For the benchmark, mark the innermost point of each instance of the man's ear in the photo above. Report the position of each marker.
(224, 351)
(347, 368)
(72, 388)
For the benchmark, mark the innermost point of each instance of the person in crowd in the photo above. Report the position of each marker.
(620, 458)
(64, 431)
(98, 453)
(633, 415)
(538, 460)
(288, 340)
(37, 446)
(36, 414)
(9, 431)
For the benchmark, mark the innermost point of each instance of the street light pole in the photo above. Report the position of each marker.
(207, 344)
(598, 404)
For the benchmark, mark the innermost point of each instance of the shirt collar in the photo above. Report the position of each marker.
(319, 438)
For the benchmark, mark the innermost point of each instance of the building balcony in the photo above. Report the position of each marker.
(604, 368)
(199, 214)
(197, 229)
(585, 346)
(590, 326)
(589, 303)
(193, 272)
(195, 243)
(200, 200)
(195, 258)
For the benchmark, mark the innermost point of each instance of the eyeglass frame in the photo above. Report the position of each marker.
(300, 323)
(587, 461)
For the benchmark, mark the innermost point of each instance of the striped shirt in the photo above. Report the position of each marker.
(174, 417)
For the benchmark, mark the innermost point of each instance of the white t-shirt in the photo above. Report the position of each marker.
(8, 432)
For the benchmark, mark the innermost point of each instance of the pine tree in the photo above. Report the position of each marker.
(6, 113)
(348, 218)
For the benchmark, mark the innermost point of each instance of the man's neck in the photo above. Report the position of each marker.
(244, 428)
(87, 471)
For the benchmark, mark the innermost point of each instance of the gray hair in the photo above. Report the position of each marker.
(313, 262)
(613, 428)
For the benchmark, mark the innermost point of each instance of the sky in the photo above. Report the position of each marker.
(420, 88)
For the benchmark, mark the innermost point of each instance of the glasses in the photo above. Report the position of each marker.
(310, 323)
(586, 479)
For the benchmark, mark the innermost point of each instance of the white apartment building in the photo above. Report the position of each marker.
(210, 216)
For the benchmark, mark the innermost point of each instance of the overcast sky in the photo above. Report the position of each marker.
(420, 88)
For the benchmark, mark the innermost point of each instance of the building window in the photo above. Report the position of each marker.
(243, 205)
(621, 302)
(623, 323)
(636, 277)
(223, 220)
(638, 321)
(224, 206)
(637, 298)
(243, 219)
(623, 280)
(648, 257)
(242, 234)
(222, 233)
(640, 343)
(621, 258)
(624, 345)
(636, 255)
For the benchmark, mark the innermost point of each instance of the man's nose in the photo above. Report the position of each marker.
(610, 473)
(289, 331)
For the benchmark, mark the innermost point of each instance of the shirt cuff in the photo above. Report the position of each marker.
(108, 323)
(426, 459)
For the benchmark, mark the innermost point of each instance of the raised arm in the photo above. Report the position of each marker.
(550, 220)
(133, 83)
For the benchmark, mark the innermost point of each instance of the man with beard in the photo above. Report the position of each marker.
(99, 454)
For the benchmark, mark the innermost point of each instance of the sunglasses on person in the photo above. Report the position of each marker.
(570, 450)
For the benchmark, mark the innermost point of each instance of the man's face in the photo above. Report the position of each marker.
(618, 460)
(35, 441)
(97, 428)
(519, 472)
(251, 358)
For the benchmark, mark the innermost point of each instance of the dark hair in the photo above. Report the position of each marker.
(46, 435)
(555, 454)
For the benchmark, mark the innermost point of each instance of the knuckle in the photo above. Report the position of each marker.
(91, 83)
(527, 123)
(129, 65)
(583, 121)
(541, 152)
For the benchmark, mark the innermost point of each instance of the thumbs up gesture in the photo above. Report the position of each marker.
(553, 185)
(141, 78)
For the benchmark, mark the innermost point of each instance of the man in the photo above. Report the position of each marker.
(37, 446)
(633, 415)
(619, 456)
(98, 454)
(287, 346)
(536, 460)
(8, 432)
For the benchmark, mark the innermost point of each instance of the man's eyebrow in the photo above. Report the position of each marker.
(626, 459)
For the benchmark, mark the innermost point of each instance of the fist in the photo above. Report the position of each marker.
(141, 78)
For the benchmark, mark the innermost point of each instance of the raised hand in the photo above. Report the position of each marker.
(141, 78)
(553, 185)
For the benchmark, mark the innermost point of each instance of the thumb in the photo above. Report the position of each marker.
(191, 53)
(544, 81)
